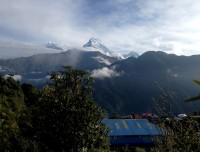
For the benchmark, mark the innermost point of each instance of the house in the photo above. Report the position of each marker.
(132, 132)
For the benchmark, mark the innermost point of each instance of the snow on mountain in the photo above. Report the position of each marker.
(53, 46)
(10, 50)
(97, 44)
(131, 54)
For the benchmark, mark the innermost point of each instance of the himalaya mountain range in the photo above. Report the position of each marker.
(123, 83)
(10, 50)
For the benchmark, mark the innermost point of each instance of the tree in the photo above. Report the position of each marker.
(181, 135)
(31, 94)
(67, 117)
(195, 97)
(13, 120)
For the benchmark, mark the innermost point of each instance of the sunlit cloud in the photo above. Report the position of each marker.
(15, 77)
(104, 73)
(102, 60)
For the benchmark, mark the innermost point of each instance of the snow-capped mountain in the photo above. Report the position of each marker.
(131, 54)
(53, 46)
(10, 50)
(97, 44)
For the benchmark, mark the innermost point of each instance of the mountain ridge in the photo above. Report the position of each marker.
(129, 84)
(136, 86)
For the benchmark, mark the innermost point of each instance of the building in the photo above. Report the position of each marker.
(132, 132)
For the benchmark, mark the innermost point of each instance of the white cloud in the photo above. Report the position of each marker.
(102, 60)
(15, 77)
(14, 50)
(35, 72)
(36, 80)
(1, 69)
(104, 73)
(123, 25)
(48, 77)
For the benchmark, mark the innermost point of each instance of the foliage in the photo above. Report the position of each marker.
(181, 135)
(13, 121)
(31, 94)
(196, 97)
(11, 91)
(129, 148)
(67, 117)
(60, 117)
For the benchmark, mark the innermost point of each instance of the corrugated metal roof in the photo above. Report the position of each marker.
(131, 127)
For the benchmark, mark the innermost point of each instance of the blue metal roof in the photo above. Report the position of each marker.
(131, 127)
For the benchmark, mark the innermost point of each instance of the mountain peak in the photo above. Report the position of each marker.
(131, 54)
(94, 40)
(97, 44)
(53, 46)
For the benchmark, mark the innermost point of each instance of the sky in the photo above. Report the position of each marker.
(172, 26)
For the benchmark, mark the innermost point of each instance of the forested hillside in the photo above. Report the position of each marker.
(60, 117)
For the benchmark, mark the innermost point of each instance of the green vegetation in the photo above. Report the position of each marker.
(181, 136)
(14, 123)
(63, 117)
(60, 117)
(196, 97)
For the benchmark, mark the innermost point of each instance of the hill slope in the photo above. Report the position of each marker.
(133, 90)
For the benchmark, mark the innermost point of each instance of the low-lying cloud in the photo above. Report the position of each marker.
(15, 77)
(102, 60)
(104, 73)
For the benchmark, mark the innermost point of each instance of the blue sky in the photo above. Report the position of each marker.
(172, 26)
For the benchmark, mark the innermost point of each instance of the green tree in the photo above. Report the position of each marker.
(67, 117)
(13, 120)
(181, 135)
(31, 94)
(195, 97)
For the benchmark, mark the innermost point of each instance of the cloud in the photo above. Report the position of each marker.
(15, 77)
(123, 25)
(39, 20)
(2, 70)
(104, 73)
(36, 72)
(48, 77)
(173, 73)
(102, 60)
(14, 50)
(36, 80)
